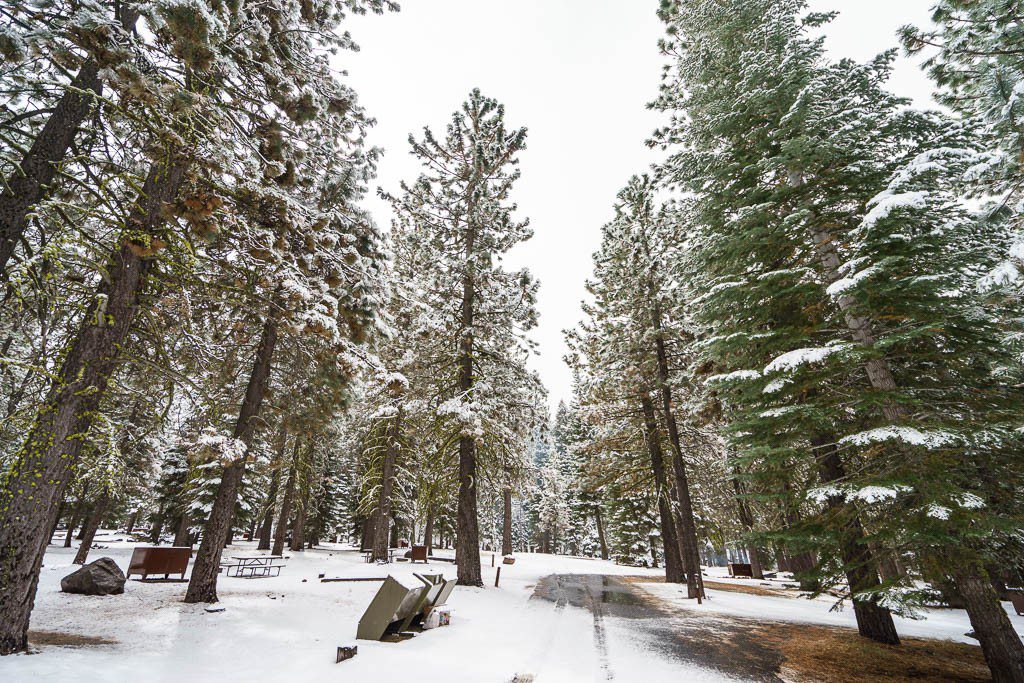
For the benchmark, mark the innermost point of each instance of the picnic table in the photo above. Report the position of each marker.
(252, 567)
(368, 555)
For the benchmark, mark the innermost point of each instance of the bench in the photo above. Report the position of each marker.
(368, 555)
(249, 567)
(1017, 599)
(156, 560)
(741, 569)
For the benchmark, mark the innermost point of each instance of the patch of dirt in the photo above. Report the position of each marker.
(61, 639)
(807, 653)
(840, 655)
(720, 586)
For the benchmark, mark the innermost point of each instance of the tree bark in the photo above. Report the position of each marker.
(202, 586)
(673, 562)
(301, 515)
(32, 180)
(268, 516)
(687, 524)
(56, 522)
(130, 527)
(158, 525)
(467, 552)
(42, 468)
(1004, 652)
(76, 519)
(91, 526)
(286, 502)
(756, 570)
(506, 535)
(601, 539)
(428, 530)
(873, 620)
(381, 527)
(183, 535)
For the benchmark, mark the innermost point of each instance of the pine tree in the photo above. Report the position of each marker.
(463, 202)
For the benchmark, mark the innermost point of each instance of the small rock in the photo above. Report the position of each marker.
(102, 577)
(216, 608)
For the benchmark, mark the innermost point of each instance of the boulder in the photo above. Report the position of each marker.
(102, 577)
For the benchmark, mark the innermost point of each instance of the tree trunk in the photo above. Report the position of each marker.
(56, 522)
(467, 552)
(365, 543)
(687, 531)
(32, 180)
(91, 526)
(268, 516)
(131, 522)
(183, 535)
(1004, 652)
(673, 562)
(428, 530)
(600, 533)
(158, 526)
(756, 570)
(202, 586)
(506, 535)
(42, 468)
(286, 502)
(873, 620)
(299, 526)
(381, 526)
(76, 519)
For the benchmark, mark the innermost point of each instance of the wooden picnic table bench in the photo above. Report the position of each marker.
(368, 555)
(164, 560)
(254, 567)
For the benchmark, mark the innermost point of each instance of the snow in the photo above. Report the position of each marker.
(947, 624)
(845, 284)
(736, 376)
(908, 435)
(287, 628)
(794, 359)
(865, 494)
(887, 202)
(776, 385)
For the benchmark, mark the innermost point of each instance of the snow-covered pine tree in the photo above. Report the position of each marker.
(462, 202)
(779, 214)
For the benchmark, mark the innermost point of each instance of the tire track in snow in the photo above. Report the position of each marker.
(600, 637)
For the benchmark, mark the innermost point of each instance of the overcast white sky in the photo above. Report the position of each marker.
(578, 74)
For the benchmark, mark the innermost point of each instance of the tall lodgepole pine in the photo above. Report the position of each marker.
(506, 529)
(92, 525)
(674, 569)
(382, 528)
(287, 501)
(202, 586)
(267, 524)
(874, 621)
(42, 469)
(467, 552)
(31, 181)
(461, 204)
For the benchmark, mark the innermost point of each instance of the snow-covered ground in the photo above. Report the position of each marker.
(288, 628)
(946, 624)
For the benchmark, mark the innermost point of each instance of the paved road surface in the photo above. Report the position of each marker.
(624, 620)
